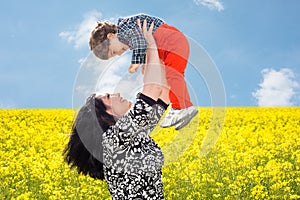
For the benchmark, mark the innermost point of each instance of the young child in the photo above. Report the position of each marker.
(108, 40)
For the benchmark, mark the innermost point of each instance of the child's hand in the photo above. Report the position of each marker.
(133, 68)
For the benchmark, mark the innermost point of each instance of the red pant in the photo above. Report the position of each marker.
(173, 50)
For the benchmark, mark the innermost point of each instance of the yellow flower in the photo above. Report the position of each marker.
(256, 155)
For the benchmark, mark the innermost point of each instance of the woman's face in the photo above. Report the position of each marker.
(115, 104)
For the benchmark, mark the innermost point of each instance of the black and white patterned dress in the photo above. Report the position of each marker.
(132, 160)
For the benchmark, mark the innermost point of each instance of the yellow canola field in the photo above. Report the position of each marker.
(256, 156)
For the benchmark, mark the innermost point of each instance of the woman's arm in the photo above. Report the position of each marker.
(154, 74)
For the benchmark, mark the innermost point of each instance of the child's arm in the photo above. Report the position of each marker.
(141, 40)
(139, 45)
(131, 32)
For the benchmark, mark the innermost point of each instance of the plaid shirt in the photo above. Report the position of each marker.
(130, 34)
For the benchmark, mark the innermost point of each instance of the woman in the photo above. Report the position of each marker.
(111, 140)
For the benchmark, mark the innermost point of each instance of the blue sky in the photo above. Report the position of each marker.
(255, 46)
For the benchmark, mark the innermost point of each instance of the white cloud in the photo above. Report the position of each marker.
(4, 104)
(80, 36)
(278, 88)
(211, 4)
(116, 79)
(105, 76)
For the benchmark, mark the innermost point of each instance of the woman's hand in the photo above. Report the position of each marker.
(147, 32)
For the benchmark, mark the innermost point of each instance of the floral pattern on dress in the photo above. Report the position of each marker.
(132, 160)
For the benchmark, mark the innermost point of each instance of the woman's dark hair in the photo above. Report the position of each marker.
(84, 150)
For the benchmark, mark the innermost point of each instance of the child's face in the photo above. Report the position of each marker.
(115, 46)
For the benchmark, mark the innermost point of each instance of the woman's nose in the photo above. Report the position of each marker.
(116, 95)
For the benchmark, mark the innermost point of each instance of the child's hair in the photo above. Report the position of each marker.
(98, 40)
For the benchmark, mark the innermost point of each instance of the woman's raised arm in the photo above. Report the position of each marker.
(155, 83)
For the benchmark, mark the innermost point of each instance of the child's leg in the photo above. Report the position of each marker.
(179, 95)
(173, 49)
